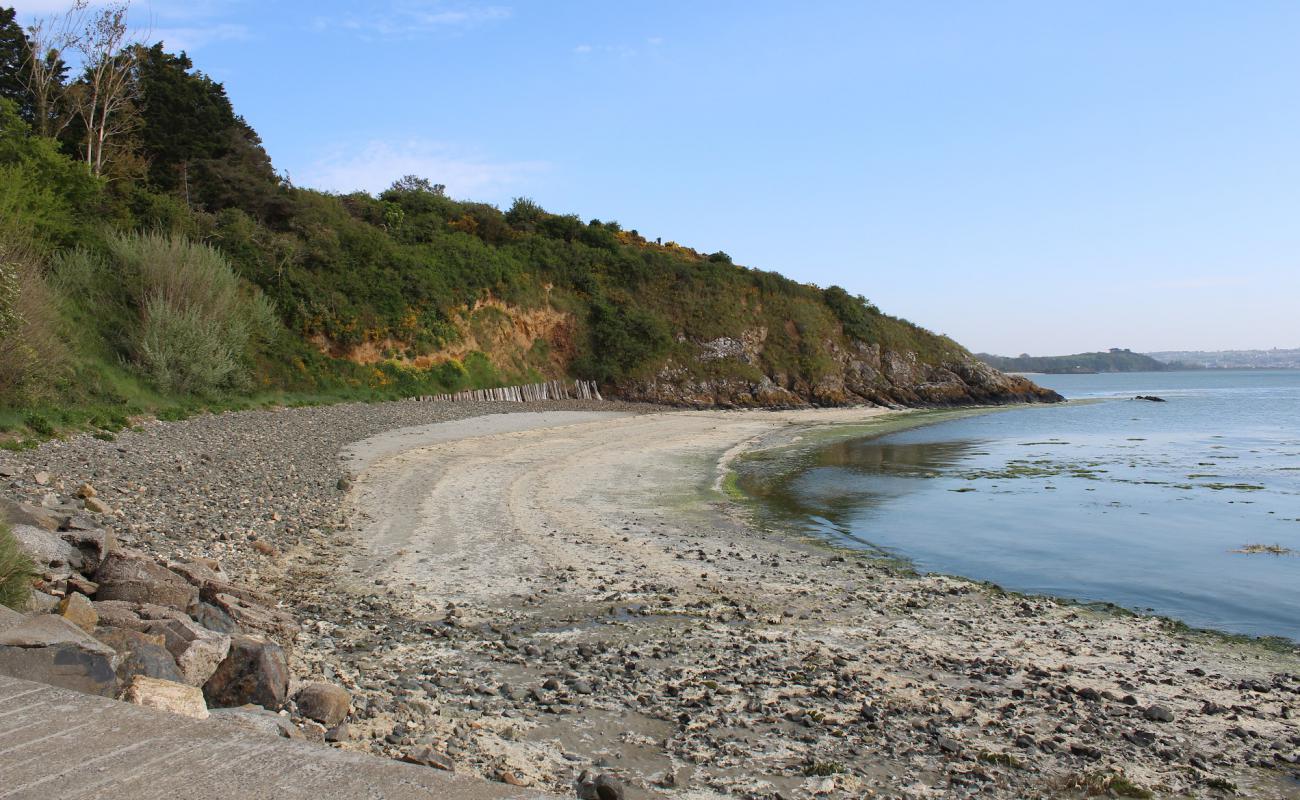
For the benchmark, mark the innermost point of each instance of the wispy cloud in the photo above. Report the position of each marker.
(374, 166)
(1194, 282)
(414, 17)
(620, 50)
(179, 24)
(191, 38)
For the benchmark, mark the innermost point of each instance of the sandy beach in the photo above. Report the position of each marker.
(537, 593)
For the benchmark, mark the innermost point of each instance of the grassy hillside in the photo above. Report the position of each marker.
(1116, 360)
(183, 273)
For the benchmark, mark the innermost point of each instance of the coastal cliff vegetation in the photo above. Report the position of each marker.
(154, 261)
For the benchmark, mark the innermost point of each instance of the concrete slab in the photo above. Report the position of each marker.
(59, 743)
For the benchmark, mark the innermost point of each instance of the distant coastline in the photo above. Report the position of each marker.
(1124, 360)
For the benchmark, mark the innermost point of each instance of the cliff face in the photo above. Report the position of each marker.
(730, 373)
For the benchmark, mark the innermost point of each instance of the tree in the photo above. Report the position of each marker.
(105, 96)
(414, 183)
(185, 117)
(13, 60)
(44, 72)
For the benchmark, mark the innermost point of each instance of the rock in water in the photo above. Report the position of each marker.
(255, 671)
(324, 702)
(176, 698)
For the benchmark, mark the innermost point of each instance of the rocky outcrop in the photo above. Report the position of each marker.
(729, 373)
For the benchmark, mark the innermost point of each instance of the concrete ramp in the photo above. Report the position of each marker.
(59, 743)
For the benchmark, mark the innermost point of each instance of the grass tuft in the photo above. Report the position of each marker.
(16, 571)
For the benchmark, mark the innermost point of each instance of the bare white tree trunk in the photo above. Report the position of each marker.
(48, 39)
(108, 86)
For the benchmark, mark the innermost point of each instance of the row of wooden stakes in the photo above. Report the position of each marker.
(530, 393)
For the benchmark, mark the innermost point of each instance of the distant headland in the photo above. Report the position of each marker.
(1124, 360)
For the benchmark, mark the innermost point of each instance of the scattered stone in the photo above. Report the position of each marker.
(604, 786)
(324, 702)
(1157, 713)
(169, 696)
(266, 548)
(339, 733)
(426, 756)
(77, 609)
(255, 671)
(77, 583)
(97, 506)
(42, 478)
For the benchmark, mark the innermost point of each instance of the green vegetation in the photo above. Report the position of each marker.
(16, 571)
(1116, 360)
(153, 262)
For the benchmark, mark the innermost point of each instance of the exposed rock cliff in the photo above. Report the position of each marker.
(731, 373)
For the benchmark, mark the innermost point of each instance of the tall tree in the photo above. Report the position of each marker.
(185, 117)
(13, 59)
(44, 72)
(105, 96)
(194, 142)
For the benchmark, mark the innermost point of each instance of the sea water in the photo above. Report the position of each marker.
(1188, 508)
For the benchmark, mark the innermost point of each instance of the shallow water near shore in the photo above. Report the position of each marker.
(1105, 499)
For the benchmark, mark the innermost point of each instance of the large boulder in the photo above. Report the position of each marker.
(255, 671)
(28, 514)
(214, 619)
(140, 654)
(94, 545)
(324, 702)
(49, 649)
(134, 576)
(196, 649)
(9, 618)
(256, 618)
(51, 554)
(176, 698)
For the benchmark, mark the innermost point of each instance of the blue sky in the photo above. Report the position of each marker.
(1024, 176)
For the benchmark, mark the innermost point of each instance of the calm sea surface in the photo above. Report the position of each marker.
(1145, 505)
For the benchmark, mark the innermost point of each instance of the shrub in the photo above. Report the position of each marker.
(31, 353)
(196, 322)
(16, 571)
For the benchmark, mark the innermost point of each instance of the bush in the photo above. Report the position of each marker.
(16, 571)
(622, 339)
(31, 353)
(196, 322)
